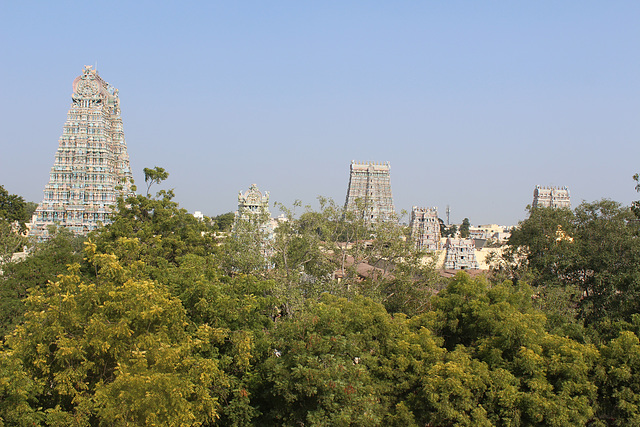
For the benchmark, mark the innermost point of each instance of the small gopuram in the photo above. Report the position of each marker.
(369, 191)
(253, 205)
(91, 167)
(425, 228)
(551, 197)
(461, 254)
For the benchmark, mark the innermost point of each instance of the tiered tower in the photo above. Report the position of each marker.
(551, 197)
(253, 205)
(461, 254)
(369, 191)
(425, 228)
(91, 167)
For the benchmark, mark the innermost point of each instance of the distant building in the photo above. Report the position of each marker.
(425, 228)
(369, 191)
(91, 167)
(498, 233)
(460, 254)
(551, 197)
(253, 205)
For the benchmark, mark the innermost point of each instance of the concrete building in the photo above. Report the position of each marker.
(460, 254)
(369, 192)
(495, 232)
(91, 167)
(425, 228)
(551, 197)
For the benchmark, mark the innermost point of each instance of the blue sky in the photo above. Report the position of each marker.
(472, 103)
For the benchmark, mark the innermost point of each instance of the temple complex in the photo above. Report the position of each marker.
(551, 197)
(461, 254)
(91, 167)
(425, 228)
(369, 191)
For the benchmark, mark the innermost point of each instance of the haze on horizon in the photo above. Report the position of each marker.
(472, 104)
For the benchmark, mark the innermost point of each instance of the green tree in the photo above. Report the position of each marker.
(164, 230)
(117, 351)
(464, 228)
(45, 262)
(550, 377)
(12, 208)
(154, 176)
(224, 222)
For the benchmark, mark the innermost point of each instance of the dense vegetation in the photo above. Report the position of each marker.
(162, 319)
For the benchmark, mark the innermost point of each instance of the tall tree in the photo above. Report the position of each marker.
(154, 176)
(464, 228)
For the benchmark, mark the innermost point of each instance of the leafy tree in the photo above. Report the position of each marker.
(607, 269)
(224, 222)
(552, 375)
(13, 216)
(45, 262)
(10, 242)
(314, 369)
(619, 380)
(116, 351)
(246, 250)
(164, 230)
(12, 208)
(464, 228)
(154, 176)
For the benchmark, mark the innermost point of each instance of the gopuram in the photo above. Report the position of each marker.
(551, 197)
(91, 167)
(425, 228)
(369, 191)
(253, 205)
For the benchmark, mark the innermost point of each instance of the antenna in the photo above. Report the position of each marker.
(448, 212)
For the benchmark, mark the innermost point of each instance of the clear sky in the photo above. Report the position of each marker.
(472, 102)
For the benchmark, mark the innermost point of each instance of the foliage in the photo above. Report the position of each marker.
(116, 351)
(549, 378)
(464, 228)
(164, 230)
(45, 262)
(223, 222)
(157, 323)
(592, 253)
(619, 380)
(246, 250)
(12, 208)
(154, 176)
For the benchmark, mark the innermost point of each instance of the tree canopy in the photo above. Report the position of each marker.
(157, 319)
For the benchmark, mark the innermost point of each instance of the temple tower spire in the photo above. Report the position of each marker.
(91, 167)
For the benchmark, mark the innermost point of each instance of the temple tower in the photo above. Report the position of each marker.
(551, 197)
(461, 254)
(253, 205)
(369, 191)
(91, 167)
(425, 228)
